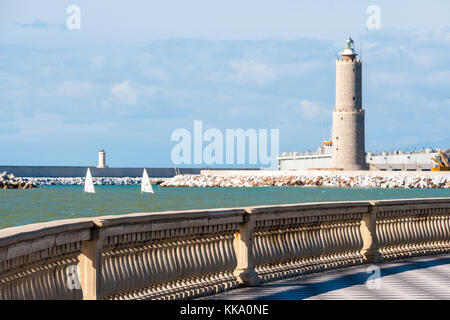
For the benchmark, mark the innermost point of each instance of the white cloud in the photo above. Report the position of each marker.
(75, 88)
(389, 79)
(18, 96)
(439, 78)
(155, 73)
(256, 72)
(235, 111)
(296, 69)
(312, 110)
(423, 59)
(438, 33)
(11, 80)
(252, 71)
(304, 110)
(49, 70)
(97, 62)
(125, 93)
(41, 125)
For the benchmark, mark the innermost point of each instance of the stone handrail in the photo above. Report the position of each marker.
(185, 254)
(35, 259)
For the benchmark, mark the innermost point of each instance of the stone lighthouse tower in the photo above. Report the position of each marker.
(102, 159)
(348, 115)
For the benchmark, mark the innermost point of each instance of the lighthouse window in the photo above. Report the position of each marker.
(354, 98)
(342, 118)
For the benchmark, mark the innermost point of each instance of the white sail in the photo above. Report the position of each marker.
(88, 182)
(146, 186)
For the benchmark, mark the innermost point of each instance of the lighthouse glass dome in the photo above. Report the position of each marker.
(349, 48)
(349, 44)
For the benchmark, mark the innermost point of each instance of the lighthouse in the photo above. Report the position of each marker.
(102, 159)
(348, 152)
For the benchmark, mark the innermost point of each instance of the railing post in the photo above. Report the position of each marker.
(369, 235)
(90, 266)
(245, 269)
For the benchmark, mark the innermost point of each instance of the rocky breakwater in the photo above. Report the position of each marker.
(78, 181)
(338, 180)
(9, 181)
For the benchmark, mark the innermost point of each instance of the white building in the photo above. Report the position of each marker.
(386, 161)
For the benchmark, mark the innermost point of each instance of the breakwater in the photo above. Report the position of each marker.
(9, 181)
(330, 180)
(418, 181)
(78, 181)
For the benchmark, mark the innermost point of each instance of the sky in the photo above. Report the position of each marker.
(135, 71)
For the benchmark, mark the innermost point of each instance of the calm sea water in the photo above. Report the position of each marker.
(19, 207)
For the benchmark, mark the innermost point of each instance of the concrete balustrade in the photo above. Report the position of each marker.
(297, 239)
(415, 229)
(186, 254)
(36, 259)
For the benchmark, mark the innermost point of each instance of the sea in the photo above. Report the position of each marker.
(20, 207)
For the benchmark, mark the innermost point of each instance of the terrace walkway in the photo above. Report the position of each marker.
(414, 278)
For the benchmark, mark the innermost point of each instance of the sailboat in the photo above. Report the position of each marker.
(88, 182)
(146, 186)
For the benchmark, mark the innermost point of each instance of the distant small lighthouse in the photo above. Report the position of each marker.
(101, 159)
(348, 115)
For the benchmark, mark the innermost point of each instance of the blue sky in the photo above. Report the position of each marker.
(138, 70)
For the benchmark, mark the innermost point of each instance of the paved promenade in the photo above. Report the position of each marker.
(415, 278)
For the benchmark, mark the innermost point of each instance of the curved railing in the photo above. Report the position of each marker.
(35, 260)
(293, 240)
(186, 254)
